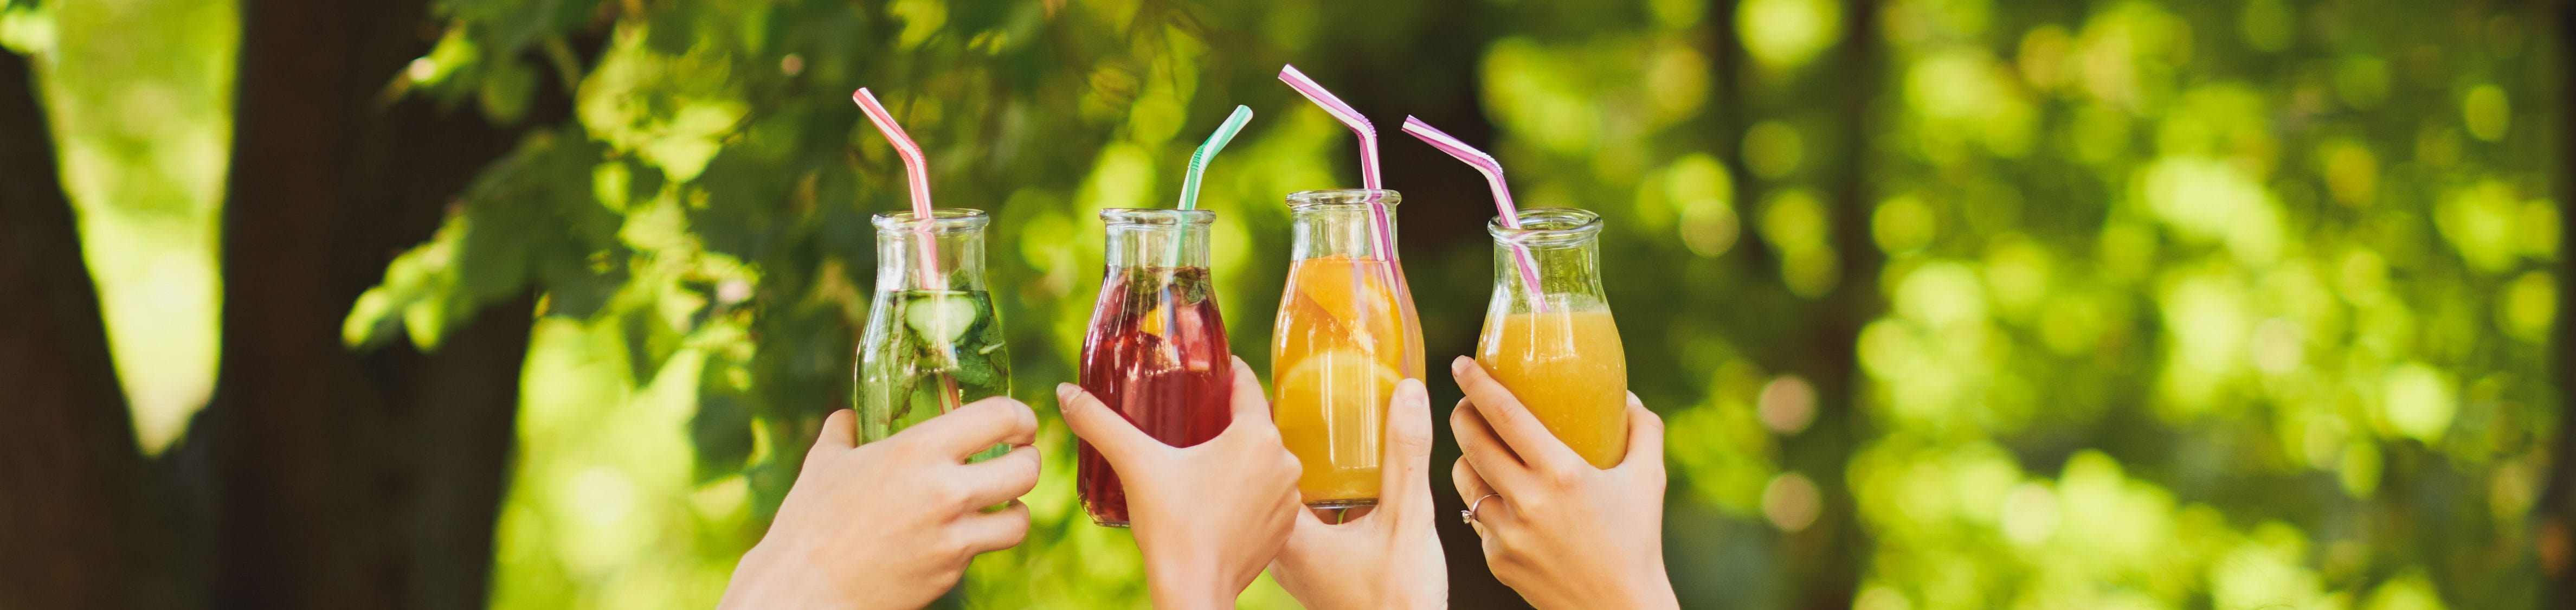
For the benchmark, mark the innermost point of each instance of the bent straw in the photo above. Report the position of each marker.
(1198, 166)
(1493, 171)
(1380, 224)
(917, 173)
(1215, 142)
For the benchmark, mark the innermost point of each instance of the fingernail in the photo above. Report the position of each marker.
(1458, 366)
(1064, 392)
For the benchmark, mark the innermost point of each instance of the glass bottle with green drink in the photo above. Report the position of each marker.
(933, 342)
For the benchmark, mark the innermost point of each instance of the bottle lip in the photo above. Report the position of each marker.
(1304, 200)
(1547, 226)
(1156, 217)
(942, 220)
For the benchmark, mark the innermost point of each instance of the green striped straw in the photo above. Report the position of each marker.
(1198, 167)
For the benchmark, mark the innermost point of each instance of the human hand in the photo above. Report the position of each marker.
(891, 524)
(1207, 517)
(1390, 557)
(1562, 533)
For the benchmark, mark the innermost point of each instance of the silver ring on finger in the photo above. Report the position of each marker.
(1469, 516)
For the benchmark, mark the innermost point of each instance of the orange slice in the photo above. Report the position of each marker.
(1351, 291)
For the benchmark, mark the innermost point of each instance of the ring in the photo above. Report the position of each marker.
(1469, 516)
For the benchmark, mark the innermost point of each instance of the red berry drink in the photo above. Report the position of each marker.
(1156, 354)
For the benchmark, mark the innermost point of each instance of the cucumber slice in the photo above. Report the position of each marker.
(941, 318)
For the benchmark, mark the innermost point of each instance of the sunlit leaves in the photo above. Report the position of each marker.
(1785, 34)
(1796, 223)
(608, 513)
(2328, 298)
(1694, 196)
(528, 219)
(2211, 201)
(2487, 112)
(2480, 221)
(1572, 98)
(669, 110)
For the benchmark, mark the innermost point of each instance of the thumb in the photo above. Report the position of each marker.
(1106, 430)
(840, 433)
(1645, 436)
(1248, 408)
(1406, 477)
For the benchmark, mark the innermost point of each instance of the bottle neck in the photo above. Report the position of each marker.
(1568, 271)
(1338, 230)
(1169, 240)
(956, 259)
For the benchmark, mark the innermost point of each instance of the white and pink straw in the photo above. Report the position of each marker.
(1380, 223)
(916, 171)
(1493, 171)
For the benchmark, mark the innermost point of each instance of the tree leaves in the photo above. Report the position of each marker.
(528, 216)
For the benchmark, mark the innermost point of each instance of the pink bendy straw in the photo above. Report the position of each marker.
(1493, 171)
(915, 170)
(917, 173)
(1368, 149)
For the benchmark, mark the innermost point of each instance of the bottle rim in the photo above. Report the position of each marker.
(942, 220)
(1156, 217)
(1547, 226)
(1328, 198)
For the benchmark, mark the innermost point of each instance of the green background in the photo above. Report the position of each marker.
(1947, 303)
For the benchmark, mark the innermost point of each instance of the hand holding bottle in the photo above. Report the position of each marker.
(892, 523)
(1559, 531)
(1207, 517)
(1390, 557)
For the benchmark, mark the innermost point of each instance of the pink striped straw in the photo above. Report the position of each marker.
(1493, 171)
(915, 170)
(1368, 149)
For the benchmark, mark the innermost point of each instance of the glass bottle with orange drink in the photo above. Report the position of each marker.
(1557, 349)
(1346, 333)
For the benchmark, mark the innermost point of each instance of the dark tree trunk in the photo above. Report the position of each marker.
(1842, 422)
(65, 441)
(346, 479)
(1445, 208)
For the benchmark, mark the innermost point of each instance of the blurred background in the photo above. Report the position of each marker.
(1947, 303)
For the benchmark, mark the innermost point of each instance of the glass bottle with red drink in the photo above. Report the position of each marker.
(1156, 350)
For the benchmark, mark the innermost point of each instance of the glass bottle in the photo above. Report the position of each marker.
(1346, 332)
(1156, 350)
(1557, 350)
(933, 342)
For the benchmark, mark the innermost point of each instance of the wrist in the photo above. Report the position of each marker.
(1652, 590)
(760, 580)
(1188, 584)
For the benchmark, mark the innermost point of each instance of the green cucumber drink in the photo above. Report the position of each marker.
(933, 343)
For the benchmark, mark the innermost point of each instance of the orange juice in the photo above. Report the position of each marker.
(1567, 368)
(1339, 347)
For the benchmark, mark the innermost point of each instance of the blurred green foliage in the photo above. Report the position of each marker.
(2184, 305)
(1948, 303)
(2237, 304)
